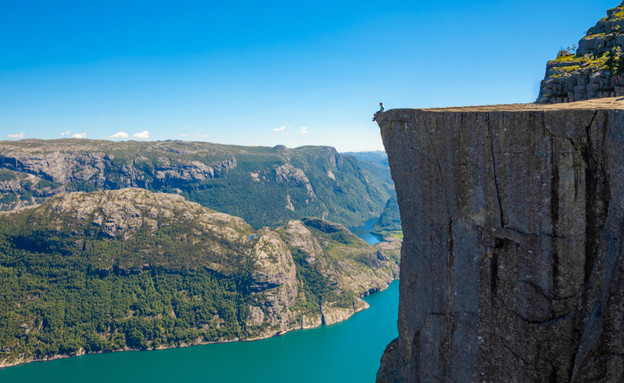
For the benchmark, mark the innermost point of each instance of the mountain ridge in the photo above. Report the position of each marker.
(132, 269)
(511, 266)
(265, 186)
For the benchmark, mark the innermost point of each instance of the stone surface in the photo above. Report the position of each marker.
(511, 266)
(274, 278)
(299, 236)
(585, 74)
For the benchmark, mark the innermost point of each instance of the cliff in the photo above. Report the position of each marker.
(595, 70)
(131, 269)
(513, 222)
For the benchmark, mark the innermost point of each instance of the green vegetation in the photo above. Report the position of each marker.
(395, 234)
(265, 186)
(565, 58)
(315, 285)
(23, 189)
(566, 64)
(616, 13)
(67, 285)
(56, 303)
(615, 61)
(7, 175)
(376, 163)
(604, 54)
(63, 291)
(389, 223)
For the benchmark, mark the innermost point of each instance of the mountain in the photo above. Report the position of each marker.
(389, 222)
(378, 157)
(376, 163)
(595, 70)
(265, 186)
(132, 269)
(512, 266)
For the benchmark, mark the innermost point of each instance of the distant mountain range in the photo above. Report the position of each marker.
(110, 246)
(265, 186)
(378, 157)
(376, 163)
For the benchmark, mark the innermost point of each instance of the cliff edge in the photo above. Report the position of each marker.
(511, 266)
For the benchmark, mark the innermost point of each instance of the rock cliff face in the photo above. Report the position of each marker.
(595, 70)
(511, 266)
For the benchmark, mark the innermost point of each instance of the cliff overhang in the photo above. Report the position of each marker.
(513, 221)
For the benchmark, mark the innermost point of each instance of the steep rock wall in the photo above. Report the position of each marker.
(511, 267)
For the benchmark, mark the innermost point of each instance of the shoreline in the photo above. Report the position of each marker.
(19, 362)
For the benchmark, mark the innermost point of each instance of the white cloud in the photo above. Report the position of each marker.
(182, 135)
(287, 128)
(143, 134)
(119, 135)
(65, 133)
(17, 135)
(80, 135)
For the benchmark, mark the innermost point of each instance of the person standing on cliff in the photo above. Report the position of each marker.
(381, 109)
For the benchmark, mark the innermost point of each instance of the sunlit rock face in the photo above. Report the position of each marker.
(511, 266)
(594, 70)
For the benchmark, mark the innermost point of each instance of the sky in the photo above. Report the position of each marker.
(268, 72)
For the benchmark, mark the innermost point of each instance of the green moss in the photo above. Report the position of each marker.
(618, 14)
(567, 65)
(570, 68)
(593, 35)
(566, 58)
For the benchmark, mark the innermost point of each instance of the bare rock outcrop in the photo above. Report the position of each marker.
(274, 280)
(512, 264)
(62, 165)
(595, 70)
(289, 174)
(299, 236)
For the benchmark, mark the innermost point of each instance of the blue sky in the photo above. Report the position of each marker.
(267, 72)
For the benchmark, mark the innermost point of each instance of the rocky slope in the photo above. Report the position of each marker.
(132, 269)
(265, 186)
(512, 264)
(595, 70)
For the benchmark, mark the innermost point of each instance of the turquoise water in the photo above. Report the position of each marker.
(364, 232)
(344, 352)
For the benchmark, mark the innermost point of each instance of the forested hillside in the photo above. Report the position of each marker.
(265, 186)
(132, 269)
